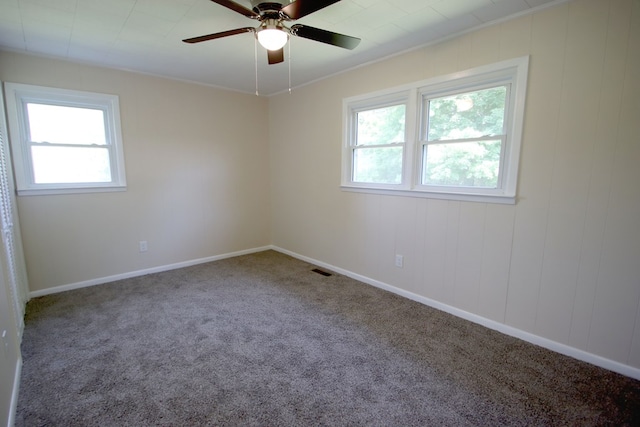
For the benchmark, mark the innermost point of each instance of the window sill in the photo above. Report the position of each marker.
(465, 197)
(58, 191)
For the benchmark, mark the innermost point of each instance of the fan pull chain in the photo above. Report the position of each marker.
(289, 61)
(255, 50)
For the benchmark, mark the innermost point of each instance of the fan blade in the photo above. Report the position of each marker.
(237, 8)
(219, 35)
(275, 56)
(300, 8)
(324, 36)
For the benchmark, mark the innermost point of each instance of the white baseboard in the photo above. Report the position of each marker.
(15, 393)
(159, 269)
(576, 353)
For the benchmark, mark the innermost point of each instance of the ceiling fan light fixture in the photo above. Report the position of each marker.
(272, 37)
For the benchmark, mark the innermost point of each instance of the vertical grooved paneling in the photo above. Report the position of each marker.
(618, 289)
(485, 46)
(515, 37)
(496, 259)
(369, 223)
(465, 48)
(387, 231)
(599, 187)
(434, 249)
(586, 35)
(445, 57)
(402, 225)
(351, 254)
(548, 38)
(469, 255)
(451, 251)
(418, 254)
(409, 230)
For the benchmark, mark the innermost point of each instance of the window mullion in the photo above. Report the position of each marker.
(412, 123)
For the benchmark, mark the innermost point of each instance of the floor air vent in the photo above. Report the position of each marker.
(324, 273)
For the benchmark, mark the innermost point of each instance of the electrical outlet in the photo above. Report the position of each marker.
(143, 246)
(399, 261)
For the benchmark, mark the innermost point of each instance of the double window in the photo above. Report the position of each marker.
(456, 136)
(64, 141)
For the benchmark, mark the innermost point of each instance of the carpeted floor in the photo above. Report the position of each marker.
(261, 340)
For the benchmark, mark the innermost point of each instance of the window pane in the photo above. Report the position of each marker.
(66, 125)
(467, 115)
(381, 165)
(381, 126)
(70, 164)
(465, 164)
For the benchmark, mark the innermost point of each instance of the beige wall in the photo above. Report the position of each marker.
(197, 174)
(564, 262)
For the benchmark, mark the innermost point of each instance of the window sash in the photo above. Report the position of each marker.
(103, 136)
(429, 94)
(372, 149)
(443, 187)
(89, 161)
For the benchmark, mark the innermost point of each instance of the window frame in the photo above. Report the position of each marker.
(512, 72)
(19, 95)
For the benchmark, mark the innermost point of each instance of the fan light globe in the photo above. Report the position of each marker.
(272, 38)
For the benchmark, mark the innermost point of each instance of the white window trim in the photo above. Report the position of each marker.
(16, 97)
(515, 70)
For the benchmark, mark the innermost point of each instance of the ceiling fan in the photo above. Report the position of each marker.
(272, 33)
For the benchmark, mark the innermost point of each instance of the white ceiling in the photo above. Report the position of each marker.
(146, 35)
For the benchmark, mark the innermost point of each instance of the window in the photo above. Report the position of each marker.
(455, 136)
(64, 141)
(378, 142)
(463, 139)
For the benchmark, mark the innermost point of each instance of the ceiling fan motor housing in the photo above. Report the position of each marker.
(268, 9)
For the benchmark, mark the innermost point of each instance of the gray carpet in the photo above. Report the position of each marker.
(261, 340)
